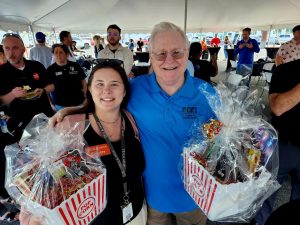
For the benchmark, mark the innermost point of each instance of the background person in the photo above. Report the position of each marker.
(215, 42)
(245, 48)
(97, 45)
(41, 52)
(68, 78)
(289, 51)
(140, 45)
(202, 68)
(284, 100)
(114, 50)
(19, 72)
(2, 56)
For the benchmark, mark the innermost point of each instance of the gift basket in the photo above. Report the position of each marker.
(51, 174)
(230, 162)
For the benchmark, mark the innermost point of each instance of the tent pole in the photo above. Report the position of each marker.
(185, 14)
(31, 30)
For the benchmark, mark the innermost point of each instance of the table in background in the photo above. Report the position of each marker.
(213, 50)
(231, 56)
(140, 68)
(271, 52)
(141, 56)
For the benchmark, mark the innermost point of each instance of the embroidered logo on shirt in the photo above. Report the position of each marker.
(189, 112)
(58, 73)
(36, 76)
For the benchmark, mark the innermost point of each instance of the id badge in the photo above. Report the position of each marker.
(127, 212)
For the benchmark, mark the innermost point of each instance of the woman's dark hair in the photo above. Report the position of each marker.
(63, 47)
(1, 49)
(64, 34)
(108, 64)
(195, 50)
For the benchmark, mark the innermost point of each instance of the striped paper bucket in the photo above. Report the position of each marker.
(80, 208)
(220, 201)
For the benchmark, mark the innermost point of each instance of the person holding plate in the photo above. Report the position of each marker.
(24, 84)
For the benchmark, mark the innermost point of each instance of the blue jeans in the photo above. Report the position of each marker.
(289, 164)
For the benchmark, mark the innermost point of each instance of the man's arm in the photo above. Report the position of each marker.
(283, 102)
(61, 114)
(17, 92)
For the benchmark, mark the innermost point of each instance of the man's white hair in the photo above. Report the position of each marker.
(164, 27)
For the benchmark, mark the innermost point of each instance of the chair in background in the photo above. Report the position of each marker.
(233, 64)
(267, 73)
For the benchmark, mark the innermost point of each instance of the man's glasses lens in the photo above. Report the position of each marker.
(176, 54)
(11, 35)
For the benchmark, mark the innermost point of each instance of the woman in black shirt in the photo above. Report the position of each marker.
(110, 126)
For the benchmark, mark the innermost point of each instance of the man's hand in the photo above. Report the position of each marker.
(58, 117)
(278, 60)
(18, 92)
(26, 218)
(39, 91)
(242, 46)
(249, 45)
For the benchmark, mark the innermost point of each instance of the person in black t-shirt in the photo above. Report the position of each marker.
(203, 69)
(24, 84)
(113, 128)
(284, 99)
(68, 78)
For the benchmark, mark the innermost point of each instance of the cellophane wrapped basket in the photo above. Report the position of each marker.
(50, 173)
(230, 163)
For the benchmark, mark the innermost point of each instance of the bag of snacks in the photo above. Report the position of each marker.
(50, 173)
(230, 163)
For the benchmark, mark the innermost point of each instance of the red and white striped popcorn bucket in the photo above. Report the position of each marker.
(219, 201)
(80, 208)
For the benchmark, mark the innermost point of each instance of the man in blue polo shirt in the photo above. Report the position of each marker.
(246, 48)
(165, 105)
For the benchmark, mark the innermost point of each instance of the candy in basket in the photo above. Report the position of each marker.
(231, 162)
(50, 173)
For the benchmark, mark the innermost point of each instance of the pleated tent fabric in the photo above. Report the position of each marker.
(140, 15)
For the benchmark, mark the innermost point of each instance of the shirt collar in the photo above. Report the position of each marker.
(186, 90)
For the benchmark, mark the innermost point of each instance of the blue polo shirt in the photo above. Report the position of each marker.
(164, 123)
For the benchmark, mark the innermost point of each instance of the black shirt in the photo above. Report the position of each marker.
(34, 75)
(286, 76)
(203, 69)
(135, 164)
(68, 84)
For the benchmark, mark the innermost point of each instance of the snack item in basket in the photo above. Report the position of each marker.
(58, 181)
(212, 128)
(253, 156)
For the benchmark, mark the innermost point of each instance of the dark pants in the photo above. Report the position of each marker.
(289, 164)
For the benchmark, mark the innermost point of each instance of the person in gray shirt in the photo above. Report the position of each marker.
(41, 52)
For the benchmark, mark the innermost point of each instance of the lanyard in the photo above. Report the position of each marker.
(122, 165)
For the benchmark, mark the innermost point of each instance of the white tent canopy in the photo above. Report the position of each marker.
(79, 16)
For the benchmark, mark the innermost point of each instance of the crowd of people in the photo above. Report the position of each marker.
(144, 121)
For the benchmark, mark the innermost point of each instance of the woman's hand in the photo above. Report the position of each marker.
(26, 218)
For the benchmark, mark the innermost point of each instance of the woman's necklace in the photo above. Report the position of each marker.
(119, 116)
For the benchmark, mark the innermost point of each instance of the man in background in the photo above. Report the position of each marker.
(41, 52)
(289, 51)
(215, 42)
(114, 50)
(245, 48)
(24, 84)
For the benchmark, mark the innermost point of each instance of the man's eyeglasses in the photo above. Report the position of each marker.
(12, 35)
(112, 34)
(175, 54)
